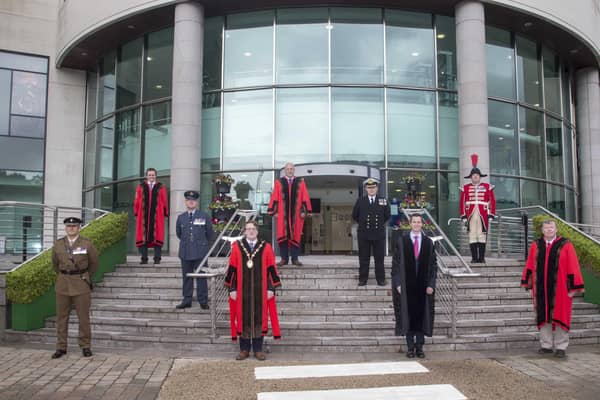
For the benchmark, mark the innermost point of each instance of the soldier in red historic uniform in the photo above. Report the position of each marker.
(291, 204)
(477, 207)
(150, 209)
(552, 273)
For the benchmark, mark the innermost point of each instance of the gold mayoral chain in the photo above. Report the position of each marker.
(257, 248)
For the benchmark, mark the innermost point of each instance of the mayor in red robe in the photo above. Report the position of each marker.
(150, 209)
(252, 278)
(290, 203)
(552, 273)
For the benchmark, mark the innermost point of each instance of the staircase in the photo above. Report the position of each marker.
(321, 309)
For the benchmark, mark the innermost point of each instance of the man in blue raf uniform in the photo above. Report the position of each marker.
(194, 231)
(371, 212)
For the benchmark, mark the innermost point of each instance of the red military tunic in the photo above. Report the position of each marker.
(289, 202)
(552, 272)
(251, 311)
(150, 209)
(480, 197)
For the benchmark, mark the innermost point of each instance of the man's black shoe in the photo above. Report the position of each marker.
(182, 306)
(362, 283)
(144, 261)
(204, 306)
(86, 352)
(560, 354)
(59, 353)
(420, 353)
(381, 283)
(543, 350)
(410, 354)
(156, 262)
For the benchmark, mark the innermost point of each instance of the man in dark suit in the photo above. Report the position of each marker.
(194, 231)
(75, 261)
(371, 212)
(414, 271)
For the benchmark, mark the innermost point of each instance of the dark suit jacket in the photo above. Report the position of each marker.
(371, 218)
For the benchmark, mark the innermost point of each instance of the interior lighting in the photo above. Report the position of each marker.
(158, 86)
(247, 53)
(149, 58)
(130, 26)
(414, 54)
(507, 125)
(441, 35)
(528, 24)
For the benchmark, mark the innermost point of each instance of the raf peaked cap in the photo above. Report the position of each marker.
(191, 195)
(371, 182)
(72, 221)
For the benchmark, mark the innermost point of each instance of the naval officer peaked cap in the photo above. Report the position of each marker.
(72, 221)
(371, 182)
(191, 195)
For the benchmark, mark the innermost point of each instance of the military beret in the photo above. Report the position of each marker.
(191, 195)
(371, 182)
(72, 221)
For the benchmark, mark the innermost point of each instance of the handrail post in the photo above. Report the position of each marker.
(524, 221)
(213, 307)
(454, 306)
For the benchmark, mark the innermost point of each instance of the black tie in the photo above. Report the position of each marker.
(371, 200)
(191, 216)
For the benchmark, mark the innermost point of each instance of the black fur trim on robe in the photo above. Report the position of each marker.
(548, 285)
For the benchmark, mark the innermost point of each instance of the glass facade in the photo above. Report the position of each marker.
(365, 86)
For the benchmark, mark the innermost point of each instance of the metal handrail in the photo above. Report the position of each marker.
(221, 247)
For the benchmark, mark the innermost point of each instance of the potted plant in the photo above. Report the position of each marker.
(223, 183)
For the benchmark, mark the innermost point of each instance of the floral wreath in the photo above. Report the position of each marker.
(222, 178)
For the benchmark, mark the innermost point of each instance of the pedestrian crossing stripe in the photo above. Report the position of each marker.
(331, 370)
(417, 392)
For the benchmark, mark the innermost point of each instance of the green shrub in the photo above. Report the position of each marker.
(588, 252)
(36, 276)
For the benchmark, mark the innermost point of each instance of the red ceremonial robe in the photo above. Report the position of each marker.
(480, 197)
(150, 209)
(552, 272)
(251, 285)
(289, 202)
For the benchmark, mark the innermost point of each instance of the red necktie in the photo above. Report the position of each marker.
(416, 247)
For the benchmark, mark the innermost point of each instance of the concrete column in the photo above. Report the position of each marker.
(472, 86)
(588, 134)
(187, 108)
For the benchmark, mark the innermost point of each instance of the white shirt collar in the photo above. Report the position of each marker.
(72, 241)
(413, 235)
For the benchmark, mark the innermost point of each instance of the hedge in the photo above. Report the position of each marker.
(588, 252)
(36, 276)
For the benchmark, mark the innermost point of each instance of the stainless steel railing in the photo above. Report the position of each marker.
(215, 271)
(27, 229)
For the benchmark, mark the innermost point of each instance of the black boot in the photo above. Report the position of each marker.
(473, 247)
(481, 252)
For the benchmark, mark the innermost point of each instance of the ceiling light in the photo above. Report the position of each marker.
(441, 35)
(414, 54)
(398, 190)
(390, 181)
(158, 86)
(329, 26)
(130, 26)
(537, 82)
(148, 58)
(574, 51)
(528, 24)
(507, 125)
(247, 53)
(431, 186)
(537, 104)
(84, 54)
(500, 138)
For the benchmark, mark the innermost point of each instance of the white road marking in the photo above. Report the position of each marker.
(329, 370)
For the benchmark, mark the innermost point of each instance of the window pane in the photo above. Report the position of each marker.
(357, 125)
(533, 193)
(500, 59)
(411, 114)
(103, 198)
(157, 137)
(106, 139)
(506, 191)
(106, 94)
(570, 206)
(21, 153)
(551, 80)
(27, 126)
(302, 46)
(302, 125)
(502, 122)
(211, 132)
(531, 142)
(446, 52)
(568, 154)
(128, 144)
(528, 68)
(448, 195)
(248, 130)
(412, 189)
(409, 48)
(448, 130)
(249, 49)
(92, 96)
(125, 194)
(4, 100)
(23, 62)
(356, 45)
(89, 176)
(28, 94)
(158, 65)
(129, 73)
(213, 40)
(566, 93)
(21, 186)
(554, 150)
(556, 200)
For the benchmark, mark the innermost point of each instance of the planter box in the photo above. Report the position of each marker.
(26, 317)
(592, 287)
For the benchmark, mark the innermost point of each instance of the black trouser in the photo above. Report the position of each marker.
(188, 267)
(410, 340)
(157, 253)
(283, 251)
(255, 344)
(365, 248)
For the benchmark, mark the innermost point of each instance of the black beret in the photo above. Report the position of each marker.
(72, 221)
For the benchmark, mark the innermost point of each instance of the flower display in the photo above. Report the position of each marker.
(223, 203)
(222, 178)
